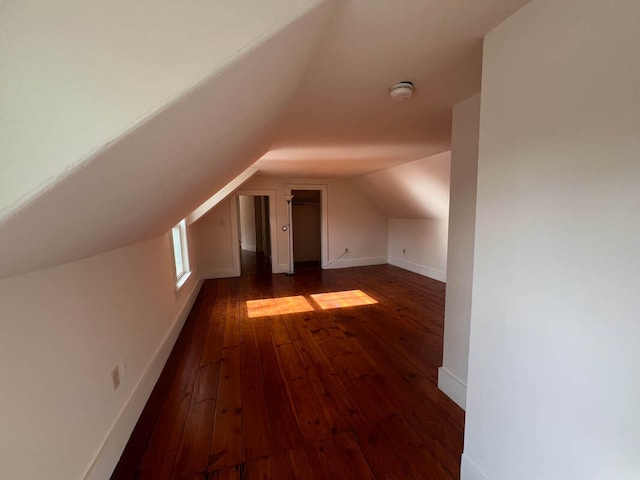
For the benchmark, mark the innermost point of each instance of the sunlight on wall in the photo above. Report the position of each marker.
(340, 159)
(418, 189)
(278, 306)
(342, 152)
(298, 304)
(427, 192)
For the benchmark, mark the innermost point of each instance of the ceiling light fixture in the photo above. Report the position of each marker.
(401, 91)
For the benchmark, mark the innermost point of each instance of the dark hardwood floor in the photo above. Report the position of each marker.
(343, 393)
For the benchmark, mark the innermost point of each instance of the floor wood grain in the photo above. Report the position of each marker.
(343, 393)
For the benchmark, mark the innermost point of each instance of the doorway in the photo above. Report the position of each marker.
(306, 219)
(254, 234)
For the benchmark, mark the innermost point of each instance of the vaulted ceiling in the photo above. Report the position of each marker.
(94, 163)
(342, 121)
(119, 118)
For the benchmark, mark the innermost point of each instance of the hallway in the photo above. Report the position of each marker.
(254, 263)
(307, 386)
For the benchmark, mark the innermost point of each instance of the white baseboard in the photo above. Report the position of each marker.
(281, 268)
(453, 387)
(419, 269)
(356, 262)
(469, 470)
(220, 273)
(111, 449)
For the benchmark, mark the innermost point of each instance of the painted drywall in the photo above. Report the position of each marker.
(76, 76)
(247, 217)
(452, 376)
(553, 388)
(418, 189)
(353, 223)
(63, 330)
(415, 198)
(212, 241)
(221, 194)
(419, 245)
(342, 121)
(69, 193)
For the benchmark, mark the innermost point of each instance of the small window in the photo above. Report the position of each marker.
(180, 253)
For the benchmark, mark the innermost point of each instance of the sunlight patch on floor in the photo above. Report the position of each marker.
(349, 298)
(278, 306)
(284, 305)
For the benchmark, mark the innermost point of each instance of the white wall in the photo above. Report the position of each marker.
(418, 189)
(415, 198)
(247, 214)
(63, 331)
(452, 376)
(62, 79)
(554, 368)
(353, 223)
(94, 121)
(211, 235)
(419, 245)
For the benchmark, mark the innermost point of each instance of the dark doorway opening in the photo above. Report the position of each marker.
(254, 234)
(306, 221)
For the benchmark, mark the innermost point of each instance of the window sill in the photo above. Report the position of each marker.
(182, 280)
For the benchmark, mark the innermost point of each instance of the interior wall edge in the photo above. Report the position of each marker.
(452, 387)
(281, 268)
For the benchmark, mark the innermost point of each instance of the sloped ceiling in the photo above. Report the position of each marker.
(119, 118)
(58, 207)
(343, 123)
(75, 75)
(418, 189)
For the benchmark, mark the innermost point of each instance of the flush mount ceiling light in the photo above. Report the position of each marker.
(401, 91)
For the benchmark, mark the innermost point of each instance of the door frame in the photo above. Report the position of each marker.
(235, 227)
(324, 222)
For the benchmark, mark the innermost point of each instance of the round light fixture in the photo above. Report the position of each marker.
(401, 91)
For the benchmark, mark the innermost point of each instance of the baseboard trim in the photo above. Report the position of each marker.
(281, 268)
(469, 470)
(109, 453)
(453, 387)
(419, 269)
(220, 273)
(356, 262)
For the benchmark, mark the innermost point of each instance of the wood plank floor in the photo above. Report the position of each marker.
(347, 392)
